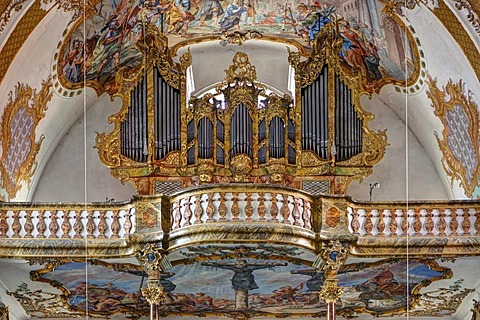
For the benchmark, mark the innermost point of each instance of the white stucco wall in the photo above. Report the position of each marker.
(422, 181)
(63, 178)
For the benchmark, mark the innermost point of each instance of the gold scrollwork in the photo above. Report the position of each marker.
(26, 107)
(475, 310)
(154, 293)
(330, 292)
(334, 255)
(451, 98)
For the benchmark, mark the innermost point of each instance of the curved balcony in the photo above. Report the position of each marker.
(239, 213)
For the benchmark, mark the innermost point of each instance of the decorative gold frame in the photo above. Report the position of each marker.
(325, 52)
(450, 96)
(34, 105)
(156, 54)
(241, 87)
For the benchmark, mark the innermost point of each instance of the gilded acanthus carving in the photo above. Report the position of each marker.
(334, 256)
(472, 14)
(19, 144)
(154, 293)
(396, 6)
(459, 140)
(11, 8)
(331, 292)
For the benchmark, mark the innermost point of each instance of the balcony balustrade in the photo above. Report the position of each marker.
(240, 213)
(426, 219)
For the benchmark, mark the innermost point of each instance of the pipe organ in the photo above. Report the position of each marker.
(242, 131)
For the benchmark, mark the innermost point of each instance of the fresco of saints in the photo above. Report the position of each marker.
(210, 10)
(231, 17)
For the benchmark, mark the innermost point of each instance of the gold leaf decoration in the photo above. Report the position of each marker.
(459, 141)
(25, 108)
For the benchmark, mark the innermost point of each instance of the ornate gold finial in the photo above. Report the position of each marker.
(241, 69)
(154, 293)
(334, 255)
(330, 292)
(154, 43)
(153, 260)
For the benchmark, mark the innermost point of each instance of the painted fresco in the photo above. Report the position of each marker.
(269, 286)
(373, 41)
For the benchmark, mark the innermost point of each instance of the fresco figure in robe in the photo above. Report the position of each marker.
(382, 291)
(210, 10)
(179, 17)
(243, 279)
(353, 50)
(231, 17)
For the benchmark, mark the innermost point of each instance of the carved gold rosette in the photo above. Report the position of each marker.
(25, 108)
(459, 141)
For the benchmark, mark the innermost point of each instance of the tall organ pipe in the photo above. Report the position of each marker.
(348, 127)
(167, 116)
(315, 115)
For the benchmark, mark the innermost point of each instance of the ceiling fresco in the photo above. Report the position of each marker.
(231, 280)
(373, 41)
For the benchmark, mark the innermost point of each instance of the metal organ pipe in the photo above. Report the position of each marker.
(167, 117)
(348, 127)
(241, 134)
(315, 115)
(133, 130)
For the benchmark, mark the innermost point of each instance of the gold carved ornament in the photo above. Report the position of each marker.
(240, 87)
(453, 96)
(325, 52)
(154, 293)
(156, 53)
(33, 105)
(153, 260)
(334, 255)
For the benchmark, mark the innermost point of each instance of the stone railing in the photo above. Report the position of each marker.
(241, 212)
(254, 204)
(66, 221)
(427, 219)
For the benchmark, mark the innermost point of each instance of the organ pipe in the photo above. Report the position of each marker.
(167, 117)
(133, 130)
(315, 116)
(348, 126)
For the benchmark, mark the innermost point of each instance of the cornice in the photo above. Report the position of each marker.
(19, 35)
(459, 34)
